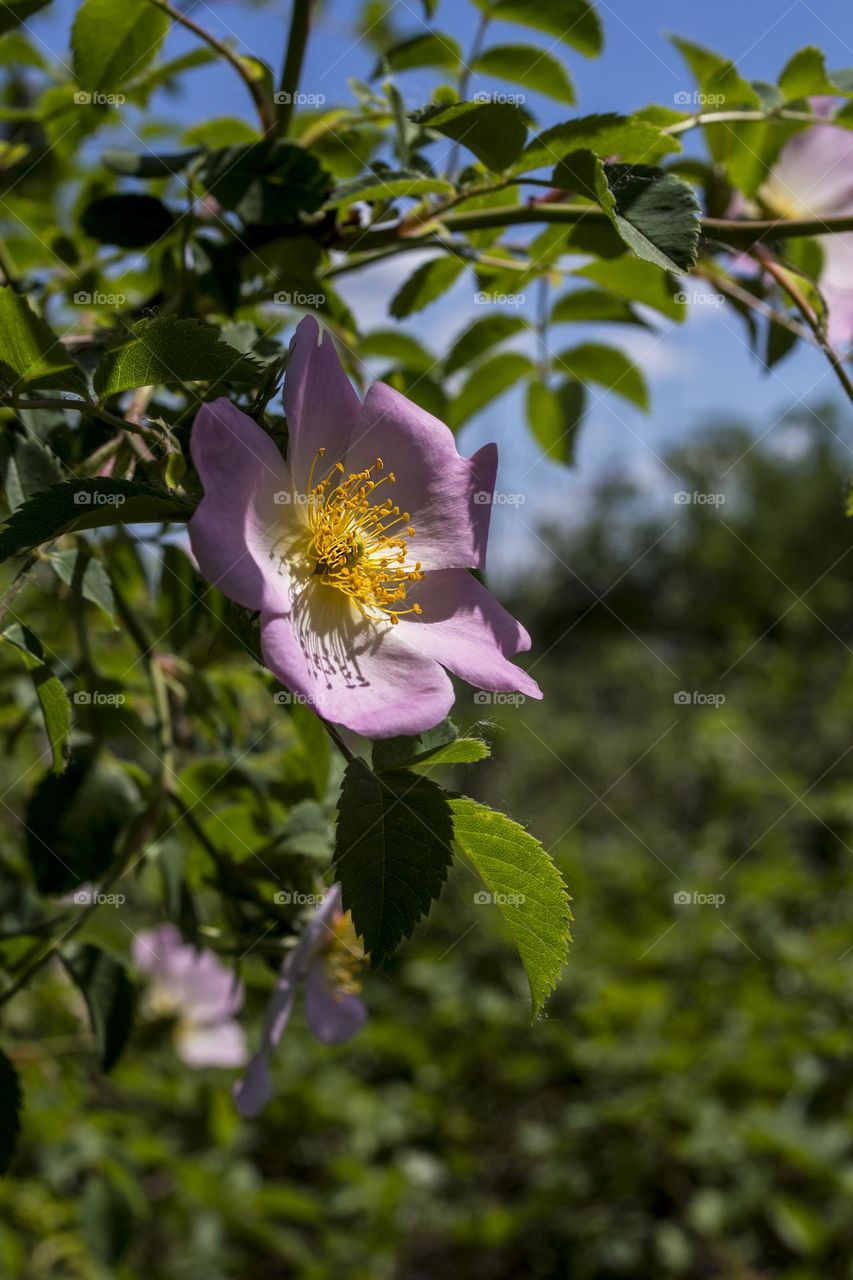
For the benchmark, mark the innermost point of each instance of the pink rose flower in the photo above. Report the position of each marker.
(198, 991)
(356, 550)
(813, 178)
(326, 958)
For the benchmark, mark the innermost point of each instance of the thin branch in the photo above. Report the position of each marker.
(740, 117)
(739, 233)
(238, 63)
(786, 282)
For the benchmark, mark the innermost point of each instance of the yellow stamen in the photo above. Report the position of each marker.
(344, 957)
(352, 547)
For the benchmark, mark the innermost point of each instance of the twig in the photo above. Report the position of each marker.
(254, 87)
(786, 283)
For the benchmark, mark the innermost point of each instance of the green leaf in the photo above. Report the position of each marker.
(780, 341)
(656, 214)
(488, 381)
(527, 65)
(494, 131)
(433, 49)
(135, 164)
(50, 691)
(27, 467)
(79, 570)
(106, 1221)
(108, 993)
(525, 885)
(127, 220)
(111, 42)
(402, 753)
(610, 368)
(14, 12)
(804, 75)
(425, 286)
(554, 416)
(392, 852)
(460, 751)
(638, 281)
(266, 183)
(74, 822)
(31, 354)
(75, 505)
(387, 186)
(480, 337)
(169, 351)
(574, 21)
(390, 344)
(10, 1111)
(609, 134)
(584, 306)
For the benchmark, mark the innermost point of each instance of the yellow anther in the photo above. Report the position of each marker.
(356, 545)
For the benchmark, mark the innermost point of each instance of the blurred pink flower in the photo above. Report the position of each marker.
(813, 178)
(326, 959)
(356, 550)
(196, 989)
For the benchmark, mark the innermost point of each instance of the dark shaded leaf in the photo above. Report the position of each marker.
(86, 504)
(108, 993)
(392, 852)
(129, 221)
(74, 822)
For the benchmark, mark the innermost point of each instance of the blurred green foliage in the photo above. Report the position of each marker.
(684, 1107)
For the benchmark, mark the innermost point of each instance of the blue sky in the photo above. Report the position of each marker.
(696, 371)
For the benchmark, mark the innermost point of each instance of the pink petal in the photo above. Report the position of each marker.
(447, 497)
(813, 176)
(332, 1016)
(353, 672)
(217, 1044)
(235, 528)
(463, 627)
(320, 402)
(836, 283)
(254, 1090)
(153, 948)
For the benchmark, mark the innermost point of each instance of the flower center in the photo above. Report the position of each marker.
(344, 957)
(359, 540)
